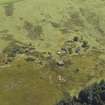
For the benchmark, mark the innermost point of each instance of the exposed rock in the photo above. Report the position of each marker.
(77, 50)
(60, 63)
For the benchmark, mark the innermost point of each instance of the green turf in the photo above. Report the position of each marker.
(55, 22)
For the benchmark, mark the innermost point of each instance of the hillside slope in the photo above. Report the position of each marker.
(49, 47)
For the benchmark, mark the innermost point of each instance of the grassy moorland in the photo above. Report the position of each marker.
(48, 48)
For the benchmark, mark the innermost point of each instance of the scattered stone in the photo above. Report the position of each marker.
(61, 78)
(15, 48)
(59, 52)
(60, 63)
(62, 51)
(77, 50)
(30, 59)
(49, 55)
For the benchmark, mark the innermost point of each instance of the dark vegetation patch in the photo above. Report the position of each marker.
(9, 9)
(76, 39)
(16, 47)
(92, 95)
(33, 31)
